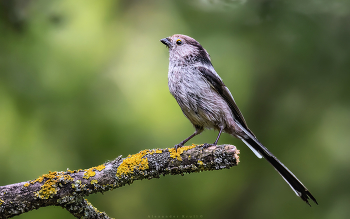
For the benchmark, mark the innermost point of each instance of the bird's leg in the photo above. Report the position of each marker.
(197, 132)
(217, 139)
(205, 145)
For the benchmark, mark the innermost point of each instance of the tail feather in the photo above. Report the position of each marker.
(259, 149)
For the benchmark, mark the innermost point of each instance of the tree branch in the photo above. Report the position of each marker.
(68, 189)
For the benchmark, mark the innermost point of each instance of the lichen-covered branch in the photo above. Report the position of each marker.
(68, 189)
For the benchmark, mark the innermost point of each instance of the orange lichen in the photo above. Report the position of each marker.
(133, 162)
(176, 154)
(90, 172)
(49, 188)
(26, 184)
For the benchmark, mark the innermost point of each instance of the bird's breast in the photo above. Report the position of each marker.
(185, 81)
(201, 104)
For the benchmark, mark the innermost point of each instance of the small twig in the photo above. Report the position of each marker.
(84, 209)
(68, 189)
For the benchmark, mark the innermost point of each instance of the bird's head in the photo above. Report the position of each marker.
(182, 47)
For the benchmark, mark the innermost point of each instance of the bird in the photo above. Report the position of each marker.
(206, 101)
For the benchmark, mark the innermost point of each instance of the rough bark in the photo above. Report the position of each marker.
(68, 189)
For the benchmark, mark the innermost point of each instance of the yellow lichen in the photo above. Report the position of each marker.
(26, 184)
(49, 187)
(176, 154)
(39, 179)
(90, 172)
(133, 162)
(94, 181)
(1, 202)
(200, 162)
(100, 167)
(157, 151)
(74, 171)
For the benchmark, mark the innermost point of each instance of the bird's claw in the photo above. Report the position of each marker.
(206, 145)
(178, 146)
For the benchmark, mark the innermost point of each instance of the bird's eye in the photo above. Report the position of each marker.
(178, 42)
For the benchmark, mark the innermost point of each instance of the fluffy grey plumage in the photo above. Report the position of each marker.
(207, 103)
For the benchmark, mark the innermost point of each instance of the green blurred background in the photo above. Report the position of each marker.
(84, 81)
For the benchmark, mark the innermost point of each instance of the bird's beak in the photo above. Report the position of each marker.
(166, 42)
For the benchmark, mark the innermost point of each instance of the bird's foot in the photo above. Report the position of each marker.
(206, 145)
(178, 146)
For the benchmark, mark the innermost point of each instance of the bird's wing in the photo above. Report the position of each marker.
(219, 86)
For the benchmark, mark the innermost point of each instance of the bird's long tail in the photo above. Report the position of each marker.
(259, 149)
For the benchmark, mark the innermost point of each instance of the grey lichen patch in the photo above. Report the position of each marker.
(67, 200)
(76, 185)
